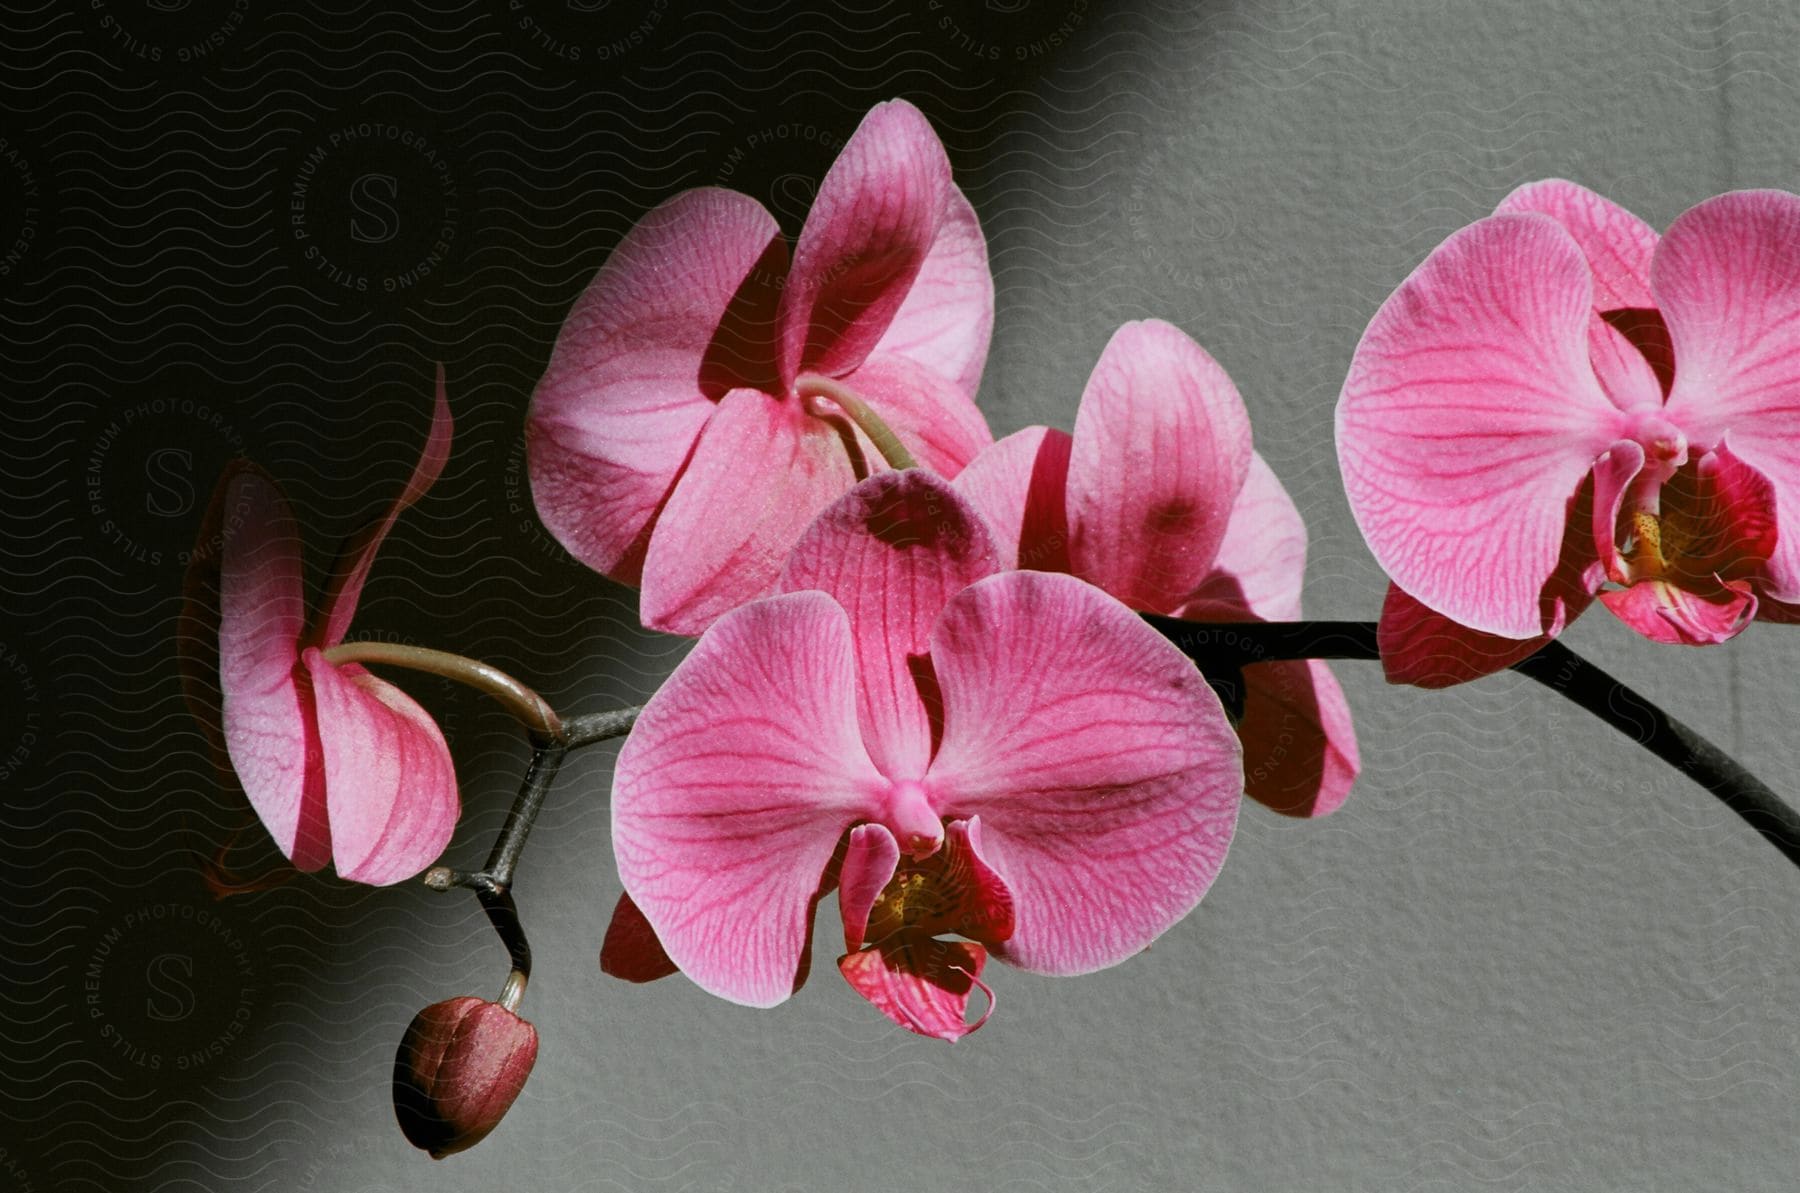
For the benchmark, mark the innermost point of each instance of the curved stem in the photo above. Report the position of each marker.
(524, 704)
(1222, 650)
(811, 385)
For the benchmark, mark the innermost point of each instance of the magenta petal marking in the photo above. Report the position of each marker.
(736, 786)
(270, 728)
(1161, 449)
(1727, 279)
(920, 983)
(869, 862)
(346, 583)
(892, 551)
(1471, 415)
(618, 409)
(390, 786)
(866, 240)
(1103, 769)
(761, 473)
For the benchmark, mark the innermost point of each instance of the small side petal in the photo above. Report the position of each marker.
(1471, 415)
(1162, 446)
(1101, 765)
(761, 473)
(631, 951)
(866, 240)
(1018, 487)
(920, 983)
(736, 785)
(892, 552)
(345, 586)
(947, 318)
(1727, 278)
(626, 390)
(389, 783)
(870, 857)
(270, 728)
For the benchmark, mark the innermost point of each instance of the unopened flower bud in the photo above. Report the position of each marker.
(460, 1065)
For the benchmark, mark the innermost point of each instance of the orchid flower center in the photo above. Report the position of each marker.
(1652, 542)
(911, 818)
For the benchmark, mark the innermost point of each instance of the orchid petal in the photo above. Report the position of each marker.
(1617, 244)
(1161, 449)
(1471, 415)
(866, 239)
(631, 951)
(892, 551)
(762, 471)
(936, 421)
(345, 586)
(1018, 487)
(626, 391)
(732, 792)
(1727, 279)
(1668, 613)
(390, 787)
(197, 626)
(1422, 647)
(947, 317)
(920, 983)
(270, 730)
(1300, 755)
(870, 858)
(1101, 765)
(1261, 562)
(1614, 471)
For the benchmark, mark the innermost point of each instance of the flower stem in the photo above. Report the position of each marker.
(811, 385)
(1222, 650)
(524, 704)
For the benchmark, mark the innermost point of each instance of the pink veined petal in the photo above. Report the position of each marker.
(198, 625)
(345, 586)
(936, 421)
(390, 787)
(866, 239)
(920, 983)
(627, 389)
(1727, 279)
(270, 729)
(631, 951)
(1300, 755)
(1102, 767)
(1471, 415)
(892, 551)
(762, 471)
(1261, 562)
(1664, 612)
(1018, 487)
(947, 317)
(1726, 510)
(1617, 244)
(734, 789)
(1422, 647)
(1161, 449)
(1779, 612)
(870, 858)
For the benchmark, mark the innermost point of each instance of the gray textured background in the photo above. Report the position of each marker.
(1523, 956)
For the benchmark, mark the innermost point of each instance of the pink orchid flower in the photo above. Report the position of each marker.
(339, 765)
(1010, 756)
(687, 429)
(1158, 499)
(1558, 404)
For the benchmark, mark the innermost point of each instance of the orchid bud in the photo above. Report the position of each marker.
(460, 1065)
